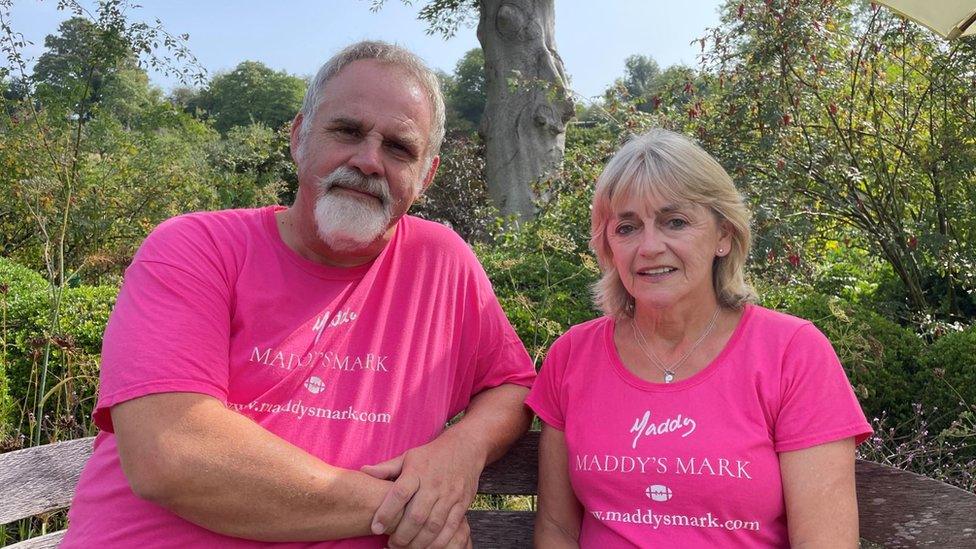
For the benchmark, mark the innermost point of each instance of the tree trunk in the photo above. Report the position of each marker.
(524, 124)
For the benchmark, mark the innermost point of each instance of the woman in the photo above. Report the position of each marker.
(687, 416)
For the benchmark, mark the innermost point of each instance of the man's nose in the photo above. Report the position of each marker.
(367, 158)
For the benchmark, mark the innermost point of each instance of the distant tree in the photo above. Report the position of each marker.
(252, 166)
(642, 73)
(466, 95)
(80, 61)
(251, 93)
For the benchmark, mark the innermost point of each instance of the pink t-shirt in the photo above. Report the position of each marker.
(693, 463)
(354, 365)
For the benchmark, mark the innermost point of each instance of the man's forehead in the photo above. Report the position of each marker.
(373, 93)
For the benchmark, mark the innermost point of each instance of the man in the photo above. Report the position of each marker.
(283, 375)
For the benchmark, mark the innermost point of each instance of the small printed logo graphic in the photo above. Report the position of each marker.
(315, 385)
(658, 492)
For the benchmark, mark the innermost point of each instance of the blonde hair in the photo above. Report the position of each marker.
(669, 165)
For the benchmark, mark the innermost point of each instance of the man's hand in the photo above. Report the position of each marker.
(435, 484)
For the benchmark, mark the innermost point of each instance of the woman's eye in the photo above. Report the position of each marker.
(677, 223)
(624, 229)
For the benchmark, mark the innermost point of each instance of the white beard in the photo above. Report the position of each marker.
(345, 222)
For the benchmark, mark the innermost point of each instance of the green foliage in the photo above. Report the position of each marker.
(79, 62)
(21, 291)
(253, 167)
(542, 270)
(443, 17)
(838, 117)
(464, 93)
(879, 356)
(947, 376)
(251, 93)
(458, 196)
(27, 306)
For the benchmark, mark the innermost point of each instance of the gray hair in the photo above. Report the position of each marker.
(387, 53)
(668, 164)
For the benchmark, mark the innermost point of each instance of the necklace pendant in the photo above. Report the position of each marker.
(668, 376)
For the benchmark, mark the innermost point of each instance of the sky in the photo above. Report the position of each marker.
(593, 37)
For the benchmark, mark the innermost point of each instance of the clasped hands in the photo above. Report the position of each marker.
(433, 487)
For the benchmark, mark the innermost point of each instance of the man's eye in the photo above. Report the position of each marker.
(398, 148)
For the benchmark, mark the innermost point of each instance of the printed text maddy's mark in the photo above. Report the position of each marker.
(644, 428)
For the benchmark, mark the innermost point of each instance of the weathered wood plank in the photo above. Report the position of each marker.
(515, 473)
(501, 529)
(48, 541)
(40, 479)
(901, 509)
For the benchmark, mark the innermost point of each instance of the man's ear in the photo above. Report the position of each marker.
(296, 137)
(429, 178)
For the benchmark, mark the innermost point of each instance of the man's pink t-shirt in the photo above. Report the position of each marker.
(354, 365)
(693, 463)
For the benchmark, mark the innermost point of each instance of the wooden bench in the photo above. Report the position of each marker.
(896, 508)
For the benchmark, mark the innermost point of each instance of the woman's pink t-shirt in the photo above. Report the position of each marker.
(693, 463)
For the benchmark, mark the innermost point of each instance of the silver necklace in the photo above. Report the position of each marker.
(670, 371)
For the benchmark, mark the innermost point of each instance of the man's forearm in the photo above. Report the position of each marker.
(224, 472)
(494, 420)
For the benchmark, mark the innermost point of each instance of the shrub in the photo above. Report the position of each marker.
(21, 290)
(879, 356)
(72, 379)
(542, 271)
(947, 376)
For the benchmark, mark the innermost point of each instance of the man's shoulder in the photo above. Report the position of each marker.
(206, 233)
(432, 237)
(210, 221)
(432, 229)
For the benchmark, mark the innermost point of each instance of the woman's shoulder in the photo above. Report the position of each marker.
(769, 323)
(582, 335)
(593, 328)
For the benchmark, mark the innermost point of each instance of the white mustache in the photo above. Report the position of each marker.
(349, 178)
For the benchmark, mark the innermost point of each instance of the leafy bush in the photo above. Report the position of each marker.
(72, 378)
(542, 272)
(947, 376)
(458, 196)
(879, 356)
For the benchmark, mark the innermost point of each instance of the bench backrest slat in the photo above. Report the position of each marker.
(41, 478)
(896, 508)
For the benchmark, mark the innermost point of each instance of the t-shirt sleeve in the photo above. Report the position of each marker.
(817, 404)
(501, 356)
(546, 397)
(169, 331)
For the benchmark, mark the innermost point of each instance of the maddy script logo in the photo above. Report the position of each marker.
(644, 428)
(322, 321)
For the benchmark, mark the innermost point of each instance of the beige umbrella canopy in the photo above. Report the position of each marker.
(949, 18)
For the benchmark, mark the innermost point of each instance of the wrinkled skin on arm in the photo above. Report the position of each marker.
(821, 502)
(435, 483)
(559, 515)
(216, 468)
